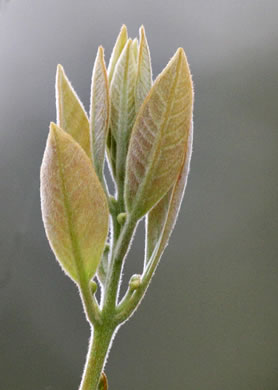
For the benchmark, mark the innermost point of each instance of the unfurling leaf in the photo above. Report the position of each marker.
(122, 105)
(144, 71)
(162, 218)
(99, 112)
(118, 48)
(159, 137)
(71, 116)
(74, 206)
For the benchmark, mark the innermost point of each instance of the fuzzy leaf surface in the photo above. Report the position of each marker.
(71, 115)
(74, 206)
(159, 136)
(144, 71)
(99, 111)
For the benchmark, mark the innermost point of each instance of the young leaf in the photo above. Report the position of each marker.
(118, 48)
(99, 111)
(161, 220)
(144, 71)
(71, 115)
(122, 105)
(158, 141)
(74, 206)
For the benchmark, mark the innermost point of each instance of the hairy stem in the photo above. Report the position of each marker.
(104, 326)
(101, 338)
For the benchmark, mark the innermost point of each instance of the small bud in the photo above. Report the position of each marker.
(121, 218)
(135, 282)
(103, 383)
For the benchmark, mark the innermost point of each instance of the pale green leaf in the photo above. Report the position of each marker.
(159, 137)
(161, 219)
(71, 115)
(118, 48)
(74, 206)
(122, 105)
(99, 111)
(144, 71)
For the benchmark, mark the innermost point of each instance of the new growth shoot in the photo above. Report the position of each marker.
(143, 130)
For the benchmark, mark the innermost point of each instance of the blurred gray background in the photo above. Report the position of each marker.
(210, 318)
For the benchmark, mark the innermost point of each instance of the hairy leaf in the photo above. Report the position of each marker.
(99, 111)
(122, 105)
(159, 137)
(161, 220)
(118, 48)
(71, 115)
(144, 71)
(74, 206)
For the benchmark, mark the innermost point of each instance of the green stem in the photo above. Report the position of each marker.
(103, 321)
(99, 345)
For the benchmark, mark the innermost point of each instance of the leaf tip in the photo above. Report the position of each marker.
(180, 52)
(129, 42)
(142, 32)
(123, 30)
(60, 69)
(56, 133)
(60, 75)
(52, 129)
(100, 51)
(180, 55)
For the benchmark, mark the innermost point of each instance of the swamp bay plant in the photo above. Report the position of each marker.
(143, 129)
